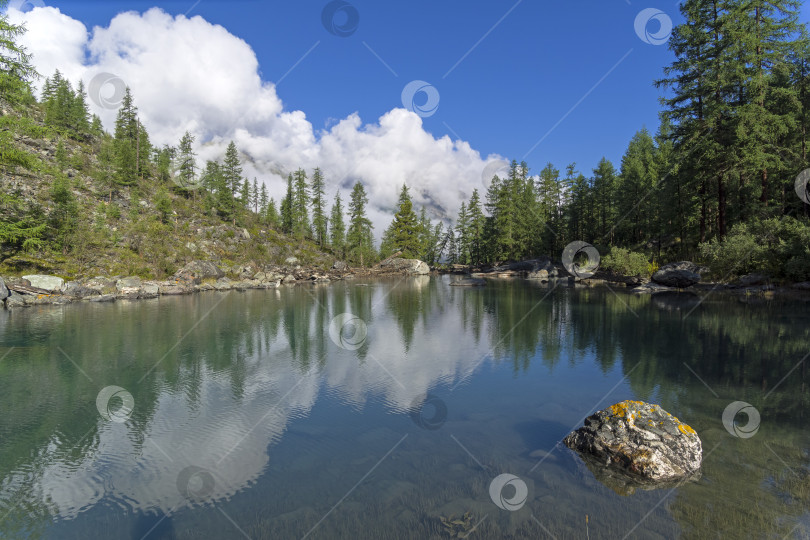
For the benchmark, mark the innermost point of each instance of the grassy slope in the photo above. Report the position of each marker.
(125, 235)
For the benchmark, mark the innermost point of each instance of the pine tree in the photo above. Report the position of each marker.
(300, 205)
(287, 208)
(319, 221)
(232, 169)
(273, 219)
(187, 165)
(337, 228)
(404, 228)
(475, 220)
(254, 195)
(263, 200)
(80, 114)
(462, 235)
(15, 62)
(358, 238)
(127, 134)
(244, 194)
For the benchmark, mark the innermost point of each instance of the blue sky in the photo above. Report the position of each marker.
(544, 81)
(502, 98)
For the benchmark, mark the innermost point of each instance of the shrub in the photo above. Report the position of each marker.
(627, 263)
(779, 247)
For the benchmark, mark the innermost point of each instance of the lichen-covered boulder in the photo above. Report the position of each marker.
(640, 441)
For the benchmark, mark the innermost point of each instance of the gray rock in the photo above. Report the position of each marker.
(129, 287)
(149, 290)
(75, 289)
(291, 260)
(173, 289)
(751, 280)
(640, 441)
(102, 285)
(408, 266)
(538, 274)
(223, 284)
(651, 287)
(48, 283)
(340, 266)
(196, 271)
(289, 278)
(803, 286)
(14, 300)
(4, 292)
(102, 298)
(680, 274)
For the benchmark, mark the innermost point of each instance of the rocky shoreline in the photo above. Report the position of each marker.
(196, 276)
(677, 277)
(199, 276)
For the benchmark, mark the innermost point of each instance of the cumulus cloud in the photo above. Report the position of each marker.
(168, 63)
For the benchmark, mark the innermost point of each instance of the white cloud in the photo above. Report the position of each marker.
(189, 74)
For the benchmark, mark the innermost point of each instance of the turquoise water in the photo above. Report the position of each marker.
(248, 419)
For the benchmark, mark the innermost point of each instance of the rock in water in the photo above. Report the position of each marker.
(4, 292)
(640, 441)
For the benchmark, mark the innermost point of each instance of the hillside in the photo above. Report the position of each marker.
(87, 227)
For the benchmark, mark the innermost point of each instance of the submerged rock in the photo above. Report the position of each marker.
(640, 443)
(468, 282)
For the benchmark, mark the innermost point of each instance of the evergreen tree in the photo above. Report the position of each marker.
(273, 219)
(16, 70)
(127, 134)
(300, 205)
(254, 195)
(462, 235)
(263, 200)
(358, 239)
(404, 228)
(187, 165)
(337, 228)
(319, 220)
(244, 194)
(475, 228)
(232, 169)
(287, 208)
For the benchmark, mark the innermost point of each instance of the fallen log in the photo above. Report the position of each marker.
(27, 289)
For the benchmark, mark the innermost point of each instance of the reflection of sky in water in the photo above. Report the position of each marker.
(286, 433)
(231, 437)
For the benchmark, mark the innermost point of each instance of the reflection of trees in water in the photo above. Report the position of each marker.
(741, 352)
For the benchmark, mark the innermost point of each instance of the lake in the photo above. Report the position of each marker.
(390, 409)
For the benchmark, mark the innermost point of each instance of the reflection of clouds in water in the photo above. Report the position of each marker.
(230, 436)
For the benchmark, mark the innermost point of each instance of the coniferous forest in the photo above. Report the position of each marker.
(714, 183)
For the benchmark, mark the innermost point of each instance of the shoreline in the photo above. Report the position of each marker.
(203, 276)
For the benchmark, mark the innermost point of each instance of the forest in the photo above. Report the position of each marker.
(714, 183)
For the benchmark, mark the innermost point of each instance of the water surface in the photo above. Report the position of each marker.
(251, 420)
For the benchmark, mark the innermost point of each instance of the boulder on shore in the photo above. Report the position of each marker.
(4, 292)
(196, 271)
(47, 283)
(679, 274)
(639, 442)
(409, 266)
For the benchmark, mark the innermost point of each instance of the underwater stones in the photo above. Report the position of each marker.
(639, 441)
